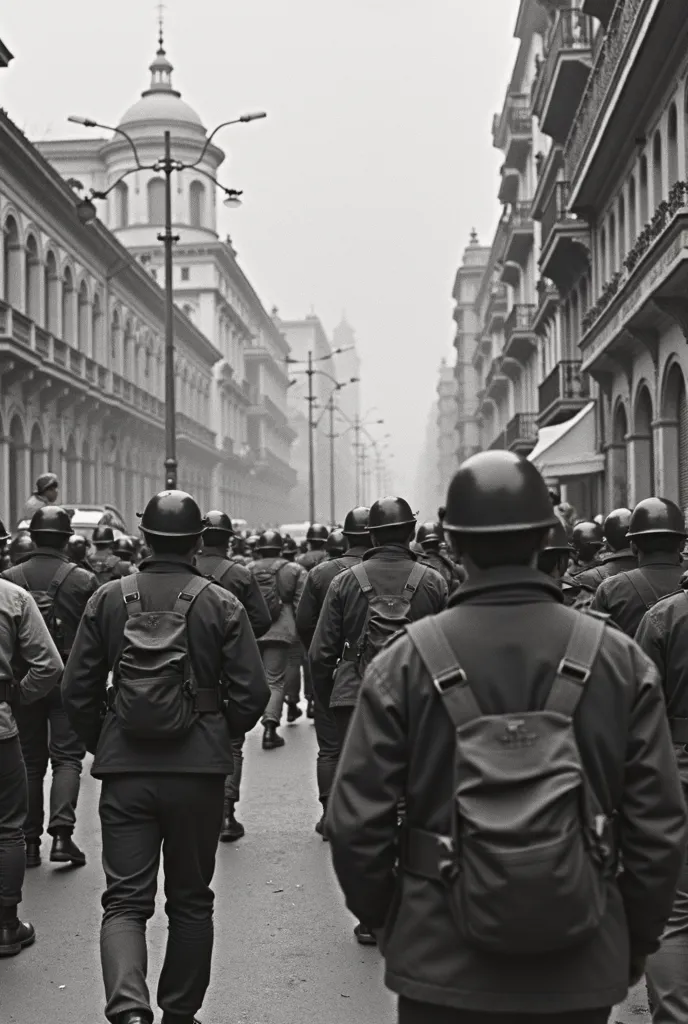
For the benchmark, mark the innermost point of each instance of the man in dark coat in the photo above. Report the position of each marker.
(619, 556)
(316, 538)
(430, 536)
(508, 627)
(105, 563)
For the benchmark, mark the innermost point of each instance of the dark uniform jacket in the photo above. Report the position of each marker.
(239, 581)
(509, 630)
(618, 598)
(452, 574)
(72, 597)
(290, 581)
(107, 566)
(310, 559)
(345, 611)
(610, 564)
(315, 588)
(222, 649)
(663, 635)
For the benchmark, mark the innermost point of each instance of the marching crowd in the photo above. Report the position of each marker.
(500, 701)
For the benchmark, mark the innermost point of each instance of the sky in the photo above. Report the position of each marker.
(362, 185)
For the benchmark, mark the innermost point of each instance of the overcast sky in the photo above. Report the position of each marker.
(361, 187)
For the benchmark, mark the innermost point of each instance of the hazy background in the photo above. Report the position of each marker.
(361, 187)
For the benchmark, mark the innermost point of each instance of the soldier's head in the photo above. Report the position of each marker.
(317, 536)
(103, 538)
(269, 544)
(47, 487)
(586, 540)
(218, 532)
(125, 548)
(430, 536)
(657, 526)
(391, 521)
(172, 524)
(356, 527)
(498, 512)
(21, 548)
(553, 556)
(336, 544)
(290, 549)
(77, 548)
(50, 527)
(616, 527)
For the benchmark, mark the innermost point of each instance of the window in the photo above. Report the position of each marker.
(644, 198)
(156, 201)
(632, 213)
(185, 274)
(657, 184)
(121, 205)
(673, 146)
(622, 229)
(197, 204)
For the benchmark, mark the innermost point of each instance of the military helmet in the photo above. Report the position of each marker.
(390, 511)
(172, 514)
(125, 547)
(616, 527)
(269, 540)
(656, 515)
(219, 521)
(21, 546)
(45, 482)
(51, 519)
(316, 531)
(498, 492)
(289, 546)
(102, 536)
(336, 543)
(556, 539)
(356, 522)
(587, 534)
(77, 546)
(429, 533)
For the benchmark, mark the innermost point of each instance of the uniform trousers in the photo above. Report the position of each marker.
(275, 660)
(13, 804)
(46, 736)
(342, 719)
(292, 686)
(233, 781)
(141, 815)
(327, 735)
(667, 969)
(411, 1012)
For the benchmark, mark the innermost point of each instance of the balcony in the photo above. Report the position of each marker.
(600, 9)
(520, 338)
(496, 309)
(512, 130)
(563, 73)
(508, 188)
(496, 382)
(519, 233)
(521, 433)
(548, 304)
(565, 239)
(499, 442)
(563, 393)
(196, 433)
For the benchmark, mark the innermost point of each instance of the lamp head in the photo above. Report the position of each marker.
(86, 211)
(85, 121)
(257, 116)
(232, 199)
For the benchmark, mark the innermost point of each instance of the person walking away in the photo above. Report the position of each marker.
(125, 549)
(619, 556)
(21, 548)
(24, 640)
(297, 661)
(657, 533)
(316, 538)
(47, 488)
(187, 677)
(357, 535)
(61, 591)
(430, 536)
(363, 608)
(77, 551)
(509, 722)
(281, 584)
(229, 572)
(106, 564)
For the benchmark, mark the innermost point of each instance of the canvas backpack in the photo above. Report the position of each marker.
(155, 694)
(267, 579)
(386, 616)
(527, 862)
(45, 599)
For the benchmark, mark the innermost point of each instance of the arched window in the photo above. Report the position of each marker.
(97, 330)
(197, 204)
(115, 342)
(83, 320)
(622, 229)
(18, 468)
(32, 280)
(11, 264)
(632, 213)
(68, 331)
(574, 336)
(612, 245)
(51, 293)
(672, 148)
(645, 457)
(604, 275)
(644, 196)
(156, 201)
(657, 183)
(37, 452)
(120, 203)
(619, 456)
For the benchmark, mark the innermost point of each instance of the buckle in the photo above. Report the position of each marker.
(185, 597)
(130, 598)
(448, 679)
(579, 673)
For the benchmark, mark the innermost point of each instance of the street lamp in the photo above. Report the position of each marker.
(330, 407)
(86, 212)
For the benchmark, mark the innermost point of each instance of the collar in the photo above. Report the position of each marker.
(356, 552)
(658, 558)
(623, 553)
(48, 553)
(390, 551)
(506, 585)
(169, 563)
(212, 553)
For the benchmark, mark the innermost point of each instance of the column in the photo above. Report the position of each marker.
(5, 483)
(616, 476)
(665, 432)
(640, 483)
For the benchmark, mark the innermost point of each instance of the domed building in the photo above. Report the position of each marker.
(251, 474)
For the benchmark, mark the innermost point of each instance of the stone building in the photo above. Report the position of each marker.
(446, 429)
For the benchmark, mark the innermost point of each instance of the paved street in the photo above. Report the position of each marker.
(284, 949)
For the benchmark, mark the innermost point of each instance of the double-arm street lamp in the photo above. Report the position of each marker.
(330, 408)
(359, 425)
(86, 212)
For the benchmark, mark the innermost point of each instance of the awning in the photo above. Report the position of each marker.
(569, 449)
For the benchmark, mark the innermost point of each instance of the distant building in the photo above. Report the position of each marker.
(446, 429)
(428, 490)
(470, 280)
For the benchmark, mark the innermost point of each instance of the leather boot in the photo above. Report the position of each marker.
(364, 935)
(15, 935)
(293, 712)
(135, 1017)
(320, 828)
(65, 851)
(231, 828)
(33, 853)
(271, 738)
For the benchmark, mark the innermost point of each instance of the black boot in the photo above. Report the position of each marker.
(65, 850)
(231, 828)
(320, 828)
(364, 935)
(293, 712)
(135, 1017)
(33, 853)
(15, 935)
(310, 709)
(271, 738)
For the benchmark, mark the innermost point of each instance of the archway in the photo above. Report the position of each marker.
(68, 331)
(51, 294)
(83, 320)
(11, 264)
(197, 204)
(156, 201)
(72, 471)
(674, 437)
(87, 489)
(97, 347)
(18, 469)
(38, 453)
(32, 280)
(643, 447)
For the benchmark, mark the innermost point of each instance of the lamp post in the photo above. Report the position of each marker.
(86, 212)
(332, 436)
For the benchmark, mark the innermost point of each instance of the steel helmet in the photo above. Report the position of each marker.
(336, 543)
(587, 534)
(616, 527)
(429, 533)
(289, 547)
(45, 482)
(356, 522)
(556, 539)
(125, 547)
(102, 536)
(253, 540)
(656, 515)
(77, 545)
(172, 514)
(219, 521)
(51, 519)
(269, 540)
(316, 531)
(390, 511)
(21, 546)
(498, 492)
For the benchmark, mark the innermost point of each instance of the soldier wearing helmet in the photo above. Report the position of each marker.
(165, 792)
(316, 539)
(21, 548)
(77, 549)
(619, 557)
(446, 721)
(105, 563)
(290, 549)
(45, 493)
(61, 590)
(430, 538)
(125, 549)
(657, 534)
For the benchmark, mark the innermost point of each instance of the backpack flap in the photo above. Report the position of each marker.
(45, 600)
(387, 616)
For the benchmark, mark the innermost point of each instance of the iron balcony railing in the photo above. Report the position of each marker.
(522, 427)
(565, 383)
(520, 319)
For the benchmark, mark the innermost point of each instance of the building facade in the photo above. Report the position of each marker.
(247, 409)
(446, 429)
(471, 277)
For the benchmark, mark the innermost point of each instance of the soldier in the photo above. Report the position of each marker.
(363, 608)
(619, 556)
(290, 549)
(430, 536)
(231, 574)
(316, 538)
(162, 753)
(47, 487)
(77, 550)
(106, 564)
(657, 532)
(586, 541)
(125, 549)
(553, 557)
(21, 548)
(475, 719)
(281, 584)
(357, 535)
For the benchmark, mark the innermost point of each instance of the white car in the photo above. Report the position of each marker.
(297, 531)
(85, 518)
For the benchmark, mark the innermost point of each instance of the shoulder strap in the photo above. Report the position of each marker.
(193, 588)
(416, 575)
(59, 578)
(574, 668)
(363, 581)
(22, 580)
(218, 563)
(448, 678)
(643, 589)
(130, 593)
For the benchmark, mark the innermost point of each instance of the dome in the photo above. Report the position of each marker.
(161, 102)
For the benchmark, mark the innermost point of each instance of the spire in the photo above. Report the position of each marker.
(161, 69)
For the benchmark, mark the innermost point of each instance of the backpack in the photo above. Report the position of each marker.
(45, 599)
(155, 694)
(221, 567)
(104, 568)
(268, 581)
(387, 614)
(526, 866)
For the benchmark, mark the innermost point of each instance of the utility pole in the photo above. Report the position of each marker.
(332, 437)
(168, 240)
(357, 456)
(311, 458)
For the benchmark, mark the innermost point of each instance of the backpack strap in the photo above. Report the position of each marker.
(131, 595)
(58, 579)
(574, 668)
(219, 563)
(643, 589)
(195, 586)
(416, 575)
(363, 581)
(448, 678)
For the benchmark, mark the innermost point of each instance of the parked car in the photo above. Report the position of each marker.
(85, 518)
(297, 531)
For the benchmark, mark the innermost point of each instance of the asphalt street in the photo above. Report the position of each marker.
(284, 950)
